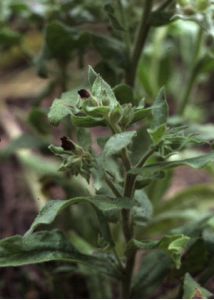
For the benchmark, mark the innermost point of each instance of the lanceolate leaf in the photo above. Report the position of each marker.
(87, 121)
(118, 142)
(66, 105)
(124, 93)
(160, 109)
(39, 247)
(101, 204)
(174, 245)
(45, 246)
(103, 92)
(192, 290)
(195, 162)
(92, 75)
(142, 209)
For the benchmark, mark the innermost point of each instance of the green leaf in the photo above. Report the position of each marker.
(158, 188)
(134, 245)
(113, 17)
(190, 198)
(175, 245)
(38, 248)
(100, 203)
(84, 138)
(192, 290)
(154, 268)
(141, 113)
(66, 105)
(204, 132)
(49, 212)
(110, 49)
(45, 246)
(87, 121)
(195, 162)
(157, 133)
(124, 93)
(117, 143)
(104, 93)
(61, 40)
(140, 144)
(160, 109)
(9, 38)
(92, 75)
(142, 210)
(160, 18)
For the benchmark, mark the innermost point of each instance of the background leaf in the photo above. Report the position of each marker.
(192, 290)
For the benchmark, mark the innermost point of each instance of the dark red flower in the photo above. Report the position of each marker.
(84, 93)
(67, 144)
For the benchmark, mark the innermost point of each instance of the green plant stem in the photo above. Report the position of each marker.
(128, 224)
(112, 187)
(124, 154)
(140, 43)
(118, 259)
(142, 161)
(128, 234)
(127, 221)
(193, 75)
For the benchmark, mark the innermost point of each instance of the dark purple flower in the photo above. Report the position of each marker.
(84, 93)
(67, 144)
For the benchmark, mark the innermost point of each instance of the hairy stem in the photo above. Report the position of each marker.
(128, 234)
(142, 161)
(128, 224)
(112, 187)
(140, 43)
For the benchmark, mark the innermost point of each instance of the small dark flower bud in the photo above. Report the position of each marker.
(84, 93)
(67, 144)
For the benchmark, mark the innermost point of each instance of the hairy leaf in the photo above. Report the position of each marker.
(118, 142)
(174, 245)
(124, 93)
(195, 162)
(160, 109)
(101, 204)
(142, 209)
(103, 92)
(66, 105)
(45, 246)
(37, 248)
(92, 75)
